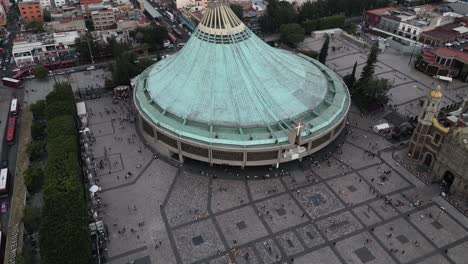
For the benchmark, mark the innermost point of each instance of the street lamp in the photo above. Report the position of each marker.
(88, 34)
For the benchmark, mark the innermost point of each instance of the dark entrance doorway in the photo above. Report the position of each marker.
(428, 160)
(447, 180)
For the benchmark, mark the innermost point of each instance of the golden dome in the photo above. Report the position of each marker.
(437, 93)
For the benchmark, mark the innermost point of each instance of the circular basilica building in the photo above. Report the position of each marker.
(229, 98)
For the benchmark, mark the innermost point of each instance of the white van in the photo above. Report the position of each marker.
(384, 127)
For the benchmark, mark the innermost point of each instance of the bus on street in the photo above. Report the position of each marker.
(14, 107)
(4, 180)
(10, 82)
(10, 137)
(172, 38)
(177, 32)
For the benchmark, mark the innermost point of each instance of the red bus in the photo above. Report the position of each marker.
(21, 74)
(14, 107)
(177, 32)
(10, 82)
(10, 138)
(68, 63)
(171, 37)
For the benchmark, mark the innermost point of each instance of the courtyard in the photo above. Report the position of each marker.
(334, 207)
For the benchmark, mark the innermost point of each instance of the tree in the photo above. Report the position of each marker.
(40, 71)
(350, 79)
(292, 34)
(35, 150)
(371, 95)
(64, 231)
(310, 53)
(369, 68)
(277, 14)
(38, 129)
(238, 10)
(34, 177)
(324, 50)
(34, 26)
(47, 16)
(310, 25)
(32, 219)
(38, 109)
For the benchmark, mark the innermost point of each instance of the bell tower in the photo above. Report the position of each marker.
(430, 110)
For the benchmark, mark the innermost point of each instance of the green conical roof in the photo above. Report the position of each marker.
(227, 86)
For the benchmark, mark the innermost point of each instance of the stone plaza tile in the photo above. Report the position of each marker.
(330, 168)
(220, 260)
(101, 129)
(386, 211)
(354, 157)
(338, 225)
(281, 212)
(438, 226)
(290, 243)
(401, 203)
(357, 250)
(321, 256)
(298, 178)
(183, 206)
(242, 225)
(265, 188)
(246, 256)
(351, 188)
(401, 236)
(318, 200)
(393, 182)
(310, 236)
(346, 62)
(459, 253)
(367, 215)
(197, 241)
(437, 259)
(268, 251)
(227, 194)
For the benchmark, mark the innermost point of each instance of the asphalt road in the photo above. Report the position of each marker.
(9, 152)
(12, 28)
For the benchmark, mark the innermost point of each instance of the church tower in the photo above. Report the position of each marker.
(430, 110)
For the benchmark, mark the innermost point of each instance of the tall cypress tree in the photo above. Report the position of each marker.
(350, 79)
(324, 51)
(369, 69)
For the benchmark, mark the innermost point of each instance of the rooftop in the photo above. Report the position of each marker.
(227, 86)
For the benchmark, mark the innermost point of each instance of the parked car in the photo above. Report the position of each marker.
(90, 68)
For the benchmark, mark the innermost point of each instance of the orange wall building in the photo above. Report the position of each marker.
(31, 11)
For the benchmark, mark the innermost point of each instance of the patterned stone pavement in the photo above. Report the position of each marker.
(332, 208)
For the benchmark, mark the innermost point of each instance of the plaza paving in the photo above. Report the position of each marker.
(408, 84)
(334, 207)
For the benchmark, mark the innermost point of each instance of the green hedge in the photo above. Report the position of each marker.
(60, 125)
(64, 231)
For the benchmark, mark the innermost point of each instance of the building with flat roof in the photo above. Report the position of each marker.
(103, 19)
(31, 11)
(442, 35)
(38, 48)
(229, 98)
